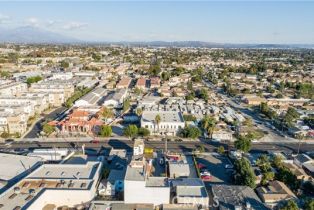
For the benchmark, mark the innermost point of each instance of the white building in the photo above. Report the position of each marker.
(170, 122)
(54, 185)
(92, 98)
(141, 188)
(115, 99)
(15, 167)
(13, 88)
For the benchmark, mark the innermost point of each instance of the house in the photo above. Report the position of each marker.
(190, 191)
(154, 82)
(115, 99)
(124, 83)
(274, 193)
(171, 122)
(141, 83)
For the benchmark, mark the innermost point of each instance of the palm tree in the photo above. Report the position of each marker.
(157, 120)
(208, 124)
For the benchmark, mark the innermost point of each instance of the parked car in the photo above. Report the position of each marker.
(95, 141)
(206, 177)
(228, 166)
(205, 173)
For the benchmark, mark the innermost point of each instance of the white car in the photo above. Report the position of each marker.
(228, 166)
(205, 173)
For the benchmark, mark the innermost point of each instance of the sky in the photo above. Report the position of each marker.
(278, 22)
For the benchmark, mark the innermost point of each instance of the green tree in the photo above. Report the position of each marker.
(130, 131)
(126, 105)
(309, 204)
(290, 205)
(157, 120)
(5, 135)
(263, 163)
(244, 173)
(202, 93)
(107, 113)
(208, 124)
(64, 64)
(48, 129)
(139, 111)
(190, 132)
(105, 131)
(35, 79)
(267, 176)
(143, 132)
(221, 150)
(165, 76)
(243, 143)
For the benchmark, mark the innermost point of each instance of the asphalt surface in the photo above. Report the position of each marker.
(158, 145)
(33, 133)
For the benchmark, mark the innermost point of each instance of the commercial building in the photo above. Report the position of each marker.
(92, 98)
(15, 167)
(54, 185)
(170, 122)
(139, 184)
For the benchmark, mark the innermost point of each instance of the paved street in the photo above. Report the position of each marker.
(35, 130)
(159, 145)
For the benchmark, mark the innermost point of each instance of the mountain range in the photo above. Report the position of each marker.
(35, 35)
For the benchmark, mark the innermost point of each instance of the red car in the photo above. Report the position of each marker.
(199, 165)
(206, 177)
(95, 141)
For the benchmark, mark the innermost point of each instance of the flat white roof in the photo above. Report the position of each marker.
(165, 116)
(13, 165)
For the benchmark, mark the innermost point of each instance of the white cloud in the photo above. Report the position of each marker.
(4, 19)
(32, 21)
(74, 25)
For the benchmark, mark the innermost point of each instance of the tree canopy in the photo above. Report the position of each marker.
(244, 173)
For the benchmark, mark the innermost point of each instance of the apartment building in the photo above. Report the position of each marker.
(12, 88)
(13, 123)
(53, 86)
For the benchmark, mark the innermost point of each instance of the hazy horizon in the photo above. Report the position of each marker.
(217, 22)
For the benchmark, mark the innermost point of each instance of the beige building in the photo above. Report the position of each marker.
(13, 88)
(275, 192)
(13, 123)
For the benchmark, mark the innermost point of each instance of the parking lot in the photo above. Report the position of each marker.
(215, 163)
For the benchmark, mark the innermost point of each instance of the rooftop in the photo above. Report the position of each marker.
(231, 196)
(166, 116)
(14, 165)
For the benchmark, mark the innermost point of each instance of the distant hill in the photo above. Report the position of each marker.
(33, 35)
(212, 44)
